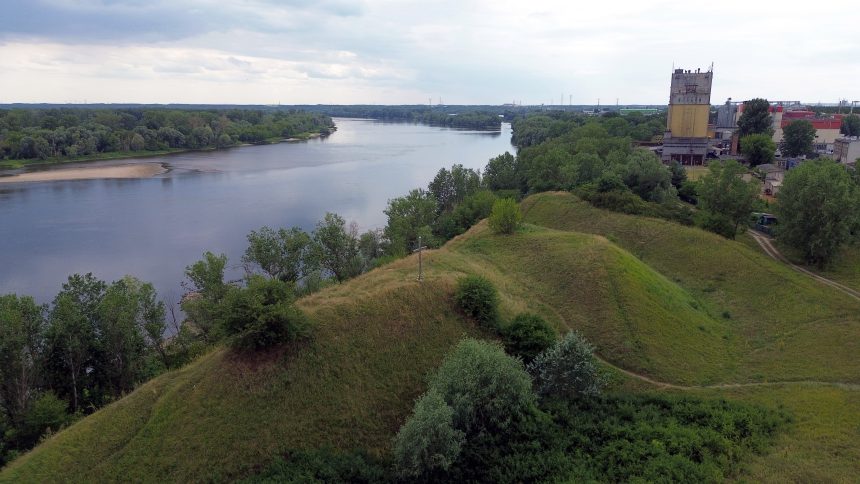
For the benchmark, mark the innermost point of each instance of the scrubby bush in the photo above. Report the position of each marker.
(623, 201)
(427, 441)
(527, 336)
(567, 370)
(486, 388)
(477, 298)
(505, 217)
(47, 415)
(262, 314)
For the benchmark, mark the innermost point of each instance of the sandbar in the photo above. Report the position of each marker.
(138, 170)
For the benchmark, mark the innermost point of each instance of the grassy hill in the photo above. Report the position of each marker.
(686, 310)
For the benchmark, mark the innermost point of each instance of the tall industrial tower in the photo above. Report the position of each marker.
(686, 137)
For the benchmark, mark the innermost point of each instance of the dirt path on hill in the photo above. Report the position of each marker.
(724, 386)
(766, 244)
(716, 386)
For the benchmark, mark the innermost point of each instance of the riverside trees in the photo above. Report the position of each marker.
(91, 345)
(70, 133)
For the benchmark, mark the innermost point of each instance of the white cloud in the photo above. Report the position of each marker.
(390, 51)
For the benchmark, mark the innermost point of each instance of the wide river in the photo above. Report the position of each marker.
(152, 228)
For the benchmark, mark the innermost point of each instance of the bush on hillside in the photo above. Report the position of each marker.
(478, 299)
(47, 415)
(623, 201)
(505, 217)
(567, 370)
(527, 336)
(427, 441)
(262, 314)
(486, 388)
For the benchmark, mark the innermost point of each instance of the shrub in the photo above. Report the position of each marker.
(527, 336)
(262, 314)
(48, 414)
(623, 201)
(567, 370)
(505, 217)
(428, 440)
(477, 298)
(486, 388)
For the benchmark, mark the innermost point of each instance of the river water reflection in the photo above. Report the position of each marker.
(152, 228)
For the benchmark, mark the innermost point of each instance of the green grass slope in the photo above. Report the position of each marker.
(377, 338)
(652, 296)
(220, 416)
(786, 326)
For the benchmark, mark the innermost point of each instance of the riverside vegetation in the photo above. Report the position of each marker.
(28, 135)
(710, 360)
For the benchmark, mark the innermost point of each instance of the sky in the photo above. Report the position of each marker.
(399, 52)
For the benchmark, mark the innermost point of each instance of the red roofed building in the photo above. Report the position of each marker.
(826, 126)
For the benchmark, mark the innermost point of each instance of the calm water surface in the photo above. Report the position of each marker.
(152, 228)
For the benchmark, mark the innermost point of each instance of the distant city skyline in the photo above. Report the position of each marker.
(392, 52)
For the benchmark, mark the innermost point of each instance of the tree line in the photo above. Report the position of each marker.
(69, 133)
(465, 117)
(92, 344)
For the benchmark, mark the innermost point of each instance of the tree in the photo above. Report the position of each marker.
(679, 174)
(285, 255)
(478, 299)
(262, 314)
(543, 170)
(567, 370)
(756, 118)
(850, 125)
(505, 217)
(70, 336)
(647, 177)
(73, 326)
(408, 218)
(428, 440)
(797, 138)
(335, 248)
(527, 336)
(205, 288)
(758, 148)
(127, 312)
(450, 187)
(501, 173)
(725, 198)
(22, 346)
(817, 208)
(486, 389)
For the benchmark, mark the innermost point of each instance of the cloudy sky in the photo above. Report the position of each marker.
(392, 52)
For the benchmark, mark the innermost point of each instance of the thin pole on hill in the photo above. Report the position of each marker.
(420, 265)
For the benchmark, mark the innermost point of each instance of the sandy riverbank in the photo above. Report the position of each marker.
(139, 170)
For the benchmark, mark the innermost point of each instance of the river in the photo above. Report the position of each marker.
(152, 228)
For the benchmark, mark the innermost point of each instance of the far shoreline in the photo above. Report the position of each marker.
(10, 168)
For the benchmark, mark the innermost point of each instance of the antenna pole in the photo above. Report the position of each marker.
(420, 261)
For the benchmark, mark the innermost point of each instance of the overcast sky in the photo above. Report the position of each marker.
(392, 52)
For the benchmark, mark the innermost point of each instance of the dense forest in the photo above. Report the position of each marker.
(60, 134)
